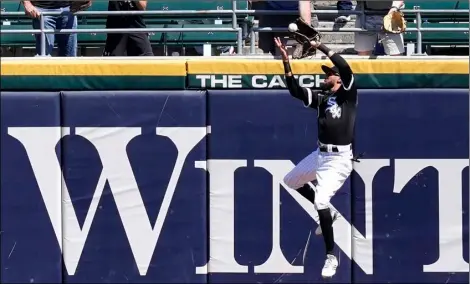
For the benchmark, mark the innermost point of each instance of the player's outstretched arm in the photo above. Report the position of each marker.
(306, 95)
(345, 71)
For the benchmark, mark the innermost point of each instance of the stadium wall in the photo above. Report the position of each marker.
(139, 173)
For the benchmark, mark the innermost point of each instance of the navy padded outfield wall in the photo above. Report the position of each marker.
(185, 187)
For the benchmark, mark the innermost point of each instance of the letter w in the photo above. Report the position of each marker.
(111, 143)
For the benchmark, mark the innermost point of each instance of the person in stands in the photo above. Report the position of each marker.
(130, 44)
(66, 43)
(266, 39)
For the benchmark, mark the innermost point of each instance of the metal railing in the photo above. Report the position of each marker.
(235, 27)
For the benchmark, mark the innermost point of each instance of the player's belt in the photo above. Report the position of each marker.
(334, 148)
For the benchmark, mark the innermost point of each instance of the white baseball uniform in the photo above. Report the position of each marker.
(329, 169)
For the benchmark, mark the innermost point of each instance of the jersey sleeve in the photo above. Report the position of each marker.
(309, 97)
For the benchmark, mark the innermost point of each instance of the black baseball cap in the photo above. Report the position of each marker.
(330, 70)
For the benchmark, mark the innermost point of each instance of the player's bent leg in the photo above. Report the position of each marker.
(307, 192)
(303, 173)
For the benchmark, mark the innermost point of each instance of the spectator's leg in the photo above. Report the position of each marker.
(116, 45)
(343, 6)
(139, 45)
(49, 23)
(305, 11)
(266, 39)
(379, 48)
(393, 44)
(67, 43)
(364, 42)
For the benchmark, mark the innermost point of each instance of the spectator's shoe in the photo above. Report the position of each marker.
(343, 19)
(302, 51)
(335, 215)
(329, 269)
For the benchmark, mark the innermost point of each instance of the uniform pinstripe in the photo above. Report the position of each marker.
(330, 170)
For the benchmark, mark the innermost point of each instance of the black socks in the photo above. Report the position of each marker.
(307, 192)
(326, 220)
(326, 224)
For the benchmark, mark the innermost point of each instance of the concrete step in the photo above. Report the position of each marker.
(327, 17)
(337, 36)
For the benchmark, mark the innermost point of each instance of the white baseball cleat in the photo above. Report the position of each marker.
(329, 269)
(335, 216)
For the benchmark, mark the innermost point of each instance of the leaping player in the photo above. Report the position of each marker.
(330, 164)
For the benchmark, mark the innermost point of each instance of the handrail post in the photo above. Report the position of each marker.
(363, 17)
(252, 41)
(234, 14)
(240, 41)
(235, 25)
(419, 35)
(43, 35)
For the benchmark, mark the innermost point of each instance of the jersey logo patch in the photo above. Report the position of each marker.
(333, 107)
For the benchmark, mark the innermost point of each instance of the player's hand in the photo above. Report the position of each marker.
(282, 48)
(315, 44)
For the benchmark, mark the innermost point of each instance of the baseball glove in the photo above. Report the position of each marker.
(304, 34)
(77, 6)
(394, 22)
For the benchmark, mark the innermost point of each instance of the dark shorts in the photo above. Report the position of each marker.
(266, 39)
(128, 44)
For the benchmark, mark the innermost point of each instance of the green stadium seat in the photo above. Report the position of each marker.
(99, 21)
(439, 38)
(199, 38)
(19, 40)
(167, 5)
(11, 6)
(167, 38)
(435, 5)
(91, 39)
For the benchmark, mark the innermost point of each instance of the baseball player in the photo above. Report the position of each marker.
(330, 164)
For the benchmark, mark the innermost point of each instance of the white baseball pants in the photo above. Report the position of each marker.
(330, 169)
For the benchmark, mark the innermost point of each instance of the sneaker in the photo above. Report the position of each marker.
(335, 216)
(329, 269)
(343, 19)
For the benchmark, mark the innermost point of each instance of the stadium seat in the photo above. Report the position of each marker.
(166, 38)
(438, 5)
(101, 5)
(159, 21)
(11, 6)
(17, 40)
(199, 38)
(91, 39)
(439, 38)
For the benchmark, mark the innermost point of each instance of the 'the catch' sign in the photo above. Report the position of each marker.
(253, 81)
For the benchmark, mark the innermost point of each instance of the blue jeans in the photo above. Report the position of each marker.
(344, 5)
(66, 43)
